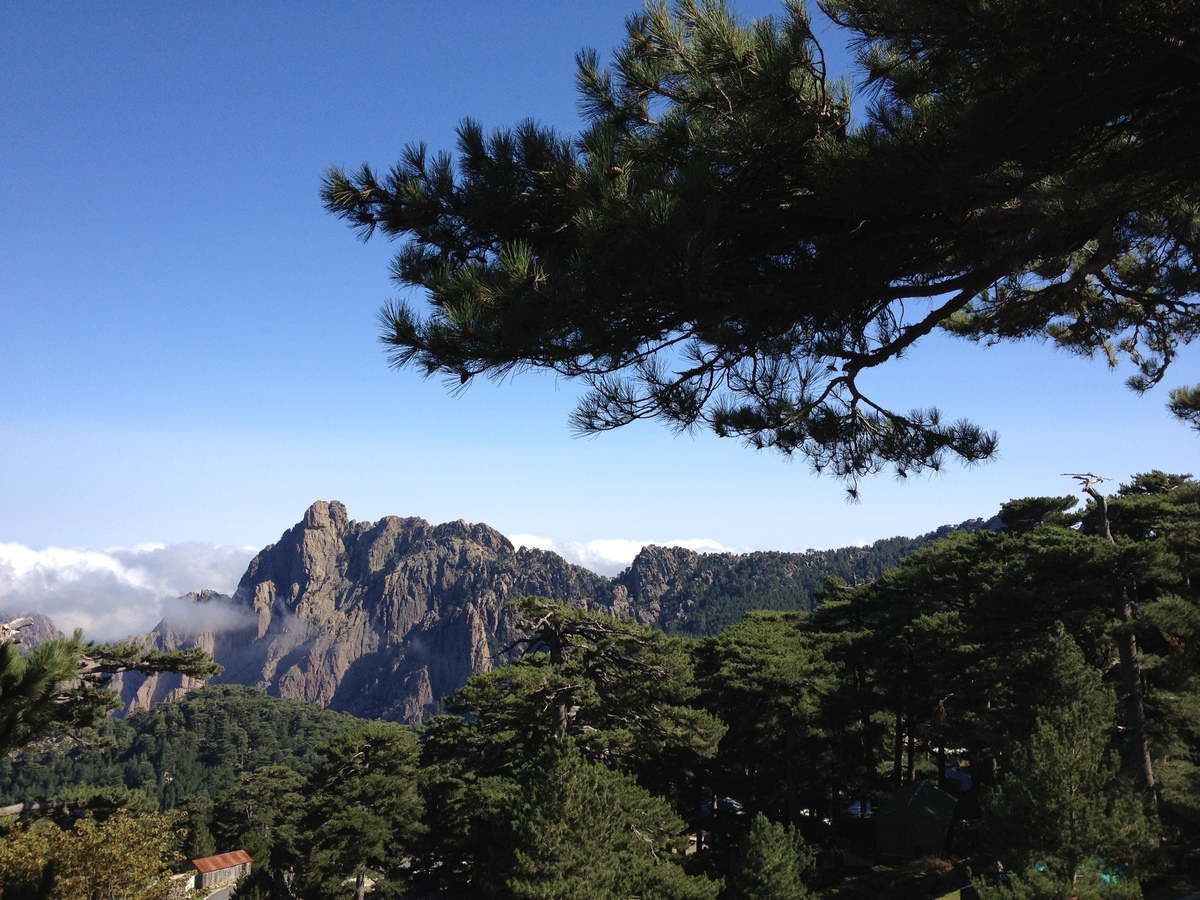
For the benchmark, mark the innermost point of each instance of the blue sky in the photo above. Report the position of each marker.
(188, 348)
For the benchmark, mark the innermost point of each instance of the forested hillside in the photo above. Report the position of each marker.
(1035, 687)
(700, 594)
(197, 745)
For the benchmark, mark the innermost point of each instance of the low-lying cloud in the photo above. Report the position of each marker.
(609, 556)
(217, 613)
(114, 593)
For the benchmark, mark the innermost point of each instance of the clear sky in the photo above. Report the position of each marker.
(188, 346)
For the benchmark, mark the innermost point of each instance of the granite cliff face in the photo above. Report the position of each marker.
(385, 619)
(140, 691)
(694, 594)
(42, 629)
(380, 619)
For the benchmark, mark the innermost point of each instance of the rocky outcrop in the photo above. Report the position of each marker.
(380, 619)
(385, 619)
(658, 574)
(139, 691)
(41, 630)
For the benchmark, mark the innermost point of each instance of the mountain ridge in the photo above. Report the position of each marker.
(384, 619)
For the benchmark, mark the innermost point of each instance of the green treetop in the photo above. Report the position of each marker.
(62, 684)
(719, 246)
(364, 813)
(623, 692)
(1063, 807)
(773, 864)
(598, 711)
(584, 831)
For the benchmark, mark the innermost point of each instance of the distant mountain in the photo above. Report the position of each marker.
(39, 632)
(386, 619)
(688, 593)
(378, 619)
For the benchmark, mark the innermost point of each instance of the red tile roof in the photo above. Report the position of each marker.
(222, 861)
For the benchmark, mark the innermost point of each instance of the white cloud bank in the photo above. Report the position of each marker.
(112, 594)
(611, 556)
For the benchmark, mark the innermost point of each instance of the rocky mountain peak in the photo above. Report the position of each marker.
(385, 619)
(481, 534)
(655, 570)
(380, 619)
(39, 632)
(329, 515)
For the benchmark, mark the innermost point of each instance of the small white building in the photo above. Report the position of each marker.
(224, 868)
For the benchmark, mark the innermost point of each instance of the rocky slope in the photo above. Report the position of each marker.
(682, 592)
(42, 629)
(380, 619)
(385, 619)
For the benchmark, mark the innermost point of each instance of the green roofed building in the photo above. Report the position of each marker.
(914, 822)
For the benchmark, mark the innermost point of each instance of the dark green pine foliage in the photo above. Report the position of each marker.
(1185, 406)
(1020, 516)
(621, 695)
(30, 683)
(766, 678)
(718, 589)
(1151, 526)
(1156, 523)
(1097, 221)
(364, 815)
(952, 638)
(949, 650)
(586, 832)
(469, 787)
(1063, 811)
(856, 712)
(773, 865)
(199, 745)
(723, 246)
(263, 814)
(198, 811)
(624, 692)
(61, 685)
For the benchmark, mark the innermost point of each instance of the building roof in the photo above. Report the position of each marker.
(222, 861)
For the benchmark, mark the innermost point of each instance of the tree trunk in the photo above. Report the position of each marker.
(791, 766)
(910, 774)
(910, 719)
(898, 744)
(1131, 667)
(1131, 687)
